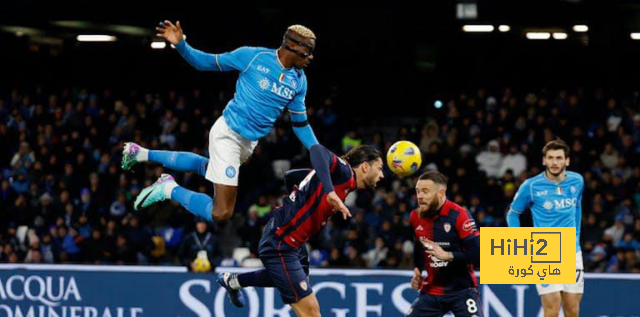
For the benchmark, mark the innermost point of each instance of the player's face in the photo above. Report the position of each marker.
(302, 62)
(374, 174)
(555, 162)
(429, 194)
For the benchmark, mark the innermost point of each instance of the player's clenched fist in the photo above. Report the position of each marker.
(416, 281)
(170, 32)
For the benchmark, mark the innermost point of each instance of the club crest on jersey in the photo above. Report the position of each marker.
(419, 228)
(294, 83)
(447, 227)
(573, 189)
(304, 285)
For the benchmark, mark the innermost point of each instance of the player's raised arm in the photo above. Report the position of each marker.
(170, 32)
(322, 160)
(236, 60)
(298, 112)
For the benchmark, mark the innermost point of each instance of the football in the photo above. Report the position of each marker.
(404, 158)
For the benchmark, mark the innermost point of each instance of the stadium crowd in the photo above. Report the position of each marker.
(65, 199)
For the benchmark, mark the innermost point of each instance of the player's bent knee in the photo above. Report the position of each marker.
(308, 306)
(221, 214)
(552, 311)
(571, 310)
(224, 202)
(313, 311)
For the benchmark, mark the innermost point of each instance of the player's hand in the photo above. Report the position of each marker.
(170, 32)
(436, 250)
(338, 205)
(416, 281)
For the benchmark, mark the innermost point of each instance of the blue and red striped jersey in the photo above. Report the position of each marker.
(450, 229)
(306, 210)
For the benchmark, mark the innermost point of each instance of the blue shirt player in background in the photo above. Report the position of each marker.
(555, 200)
(269, 81)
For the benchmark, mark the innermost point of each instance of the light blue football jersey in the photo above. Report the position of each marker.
(552, 204)
(263, 90)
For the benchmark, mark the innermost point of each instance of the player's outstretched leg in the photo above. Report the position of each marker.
(233, 282)
(308, 306)
(133, 153)
(166, 188)
(230, 282)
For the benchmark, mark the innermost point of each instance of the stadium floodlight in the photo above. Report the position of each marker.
(96, 38)
(467, 11)
(538, 35)
(635, 36)
(158, 45)
(580, 28)
(560, 36)
(478, 28)
(504, 28)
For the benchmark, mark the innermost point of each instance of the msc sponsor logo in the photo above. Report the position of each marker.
(282, 91)
(565, 203)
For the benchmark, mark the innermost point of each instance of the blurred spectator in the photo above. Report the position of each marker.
(515, 161)
(50, 251)
(200, 240)
(490, 160)
(251, 232)
(378, 253)
(609, 156)
(124, 254)
(262, 207)
(354, 260)
(349, 141)
(616, 231)
(138, 238)
(92, 247)
(24, 155)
